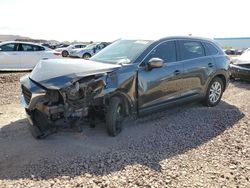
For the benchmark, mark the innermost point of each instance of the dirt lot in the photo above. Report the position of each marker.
(189, 146)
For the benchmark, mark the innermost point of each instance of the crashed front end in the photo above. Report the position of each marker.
(49, 108)
(54, 99)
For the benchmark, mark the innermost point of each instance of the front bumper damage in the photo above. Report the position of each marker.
(48, 109)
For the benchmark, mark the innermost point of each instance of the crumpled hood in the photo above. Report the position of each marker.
(58, 73)
(243, 59)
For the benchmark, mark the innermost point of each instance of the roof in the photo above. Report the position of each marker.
(6, 42)
(235, 38)
(187, 37)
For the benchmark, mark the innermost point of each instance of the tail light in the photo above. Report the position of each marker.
(57, 53)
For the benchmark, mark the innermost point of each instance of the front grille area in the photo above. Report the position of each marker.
(26, 94)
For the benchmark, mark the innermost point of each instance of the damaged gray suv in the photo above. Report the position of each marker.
(128, 78)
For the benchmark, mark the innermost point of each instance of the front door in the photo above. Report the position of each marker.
(160, 85)
(9, 58)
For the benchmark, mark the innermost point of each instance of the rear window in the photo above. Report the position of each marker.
(191, 49)
(210, 49)
(38, 48)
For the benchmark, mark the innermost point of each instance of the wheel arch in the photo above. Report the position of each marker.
(128, 103)
(86, 53)
(224, 76)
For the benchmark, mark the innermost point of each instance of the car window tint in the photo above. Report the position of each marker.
(26, 47)
(38, 48)
(8, 47)
(165, 51)
(191, 49)
(211, 50)
(101, 46)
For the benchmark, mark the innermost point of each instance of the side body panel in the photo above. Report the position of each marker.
(159, 85)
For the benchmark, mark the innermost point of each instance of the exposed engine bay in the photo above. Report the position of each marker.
(68, 106)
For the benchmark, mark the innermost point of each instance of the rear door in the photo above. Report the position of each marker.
(197, 66)
(160, 85)
(9, 58)
(30, 55)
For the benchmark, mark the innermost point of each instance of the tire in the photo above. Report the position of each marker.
(86, 56)
(214, 92)
(40, 127)
(65, 53)
(115, 116)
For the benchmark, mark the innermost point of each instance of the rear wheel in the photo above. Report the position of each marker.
(86, 56)
(214, 92)
(115, 116)
(65, 53)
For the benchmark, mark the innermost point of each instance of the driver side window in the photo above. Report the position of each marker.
(165, 51)
(11, 47)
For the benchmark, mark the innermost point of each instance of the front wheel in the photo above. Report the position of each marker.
(214, 92)
(65, 53)
(86, 56)
(115, 116)
(40, 126)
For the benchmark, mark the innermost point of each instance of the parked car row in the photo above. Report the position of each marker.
(233, 51)
(88, 51)
(16, 55)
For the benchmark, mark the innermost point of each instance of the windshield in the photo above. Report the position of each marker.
(122, 51)
(90, 46)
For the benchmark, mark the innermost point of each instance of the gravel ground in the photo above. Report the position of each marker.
(188, 146)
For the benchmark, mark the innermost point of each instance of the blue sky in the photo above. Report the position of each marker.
(108, 20)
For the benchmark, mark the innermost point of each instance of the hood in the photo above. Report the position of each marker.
(58, 73)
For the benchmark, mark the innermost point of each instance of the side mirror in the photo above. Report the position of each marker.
(155, 63)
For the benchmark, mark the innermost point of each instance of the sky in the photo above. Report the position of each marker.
(108, 20)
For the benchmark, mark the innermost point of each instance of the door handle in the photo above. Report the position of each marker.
(177, 72)
(210, 64)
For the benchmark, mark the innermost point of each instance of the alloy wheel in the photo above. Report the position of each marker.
(215, 92)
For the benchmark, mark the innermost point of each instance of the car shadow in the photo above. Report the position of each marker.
(145, 141)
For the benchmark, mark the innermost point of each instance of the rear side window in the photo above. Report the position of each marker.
(165, 51)
(8, 47)
(30, 48)
(78, 46)
(38, 48)
(210, 49)
(191, 49)
(26, 47)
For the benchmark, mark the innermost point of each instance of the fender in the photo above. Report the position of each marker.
(219, 73)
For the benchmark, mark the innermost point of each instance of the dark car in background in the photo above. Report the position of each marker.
(240, 67)
(127, 78)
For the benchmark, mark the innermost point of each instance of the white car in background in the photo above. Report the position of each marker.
(89, 51)
(66, 50)
(24, 55)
